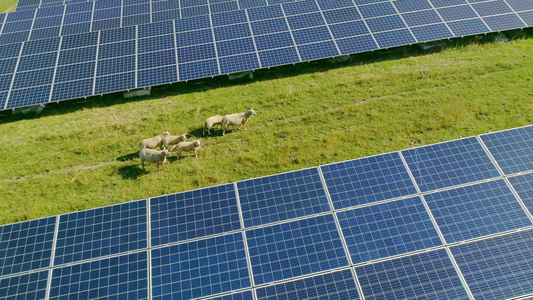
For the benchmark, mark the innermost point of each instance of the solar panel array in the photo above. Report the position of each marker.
(446, 221)
(58, 50)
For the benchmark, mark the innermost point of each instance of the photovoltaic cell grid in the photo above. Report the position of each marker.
(101, 232)
(428, 275)
(512, 149)
(120, 277)
(498, 268)
(388, 229)
(367, 180)
(204, 45)
(199, 269)
(338, 285)
(282, 197)
(303, 256)
(294, 249)
(190, 215)
(448, 164)
(26, 246)
(477, 210)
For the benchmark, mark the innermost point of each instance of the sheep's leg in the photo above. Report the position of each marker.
(195, 155)
(142, 163)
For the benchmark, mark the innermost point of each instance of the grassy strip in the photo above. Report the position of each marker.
(80, 156)
(7, 6)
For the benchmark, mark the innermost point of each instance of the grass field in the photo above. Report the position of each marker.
(83, 154)
(8, 6)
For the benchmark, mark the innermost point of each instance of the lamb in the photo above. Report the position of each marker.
(172, 140)
(209, 122)
(154, 156)
(154, 142)
(187, 146)
(237, 119)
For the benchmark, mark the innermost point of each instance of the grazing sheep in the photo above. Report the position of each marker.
(187, 146)
(172, 140)
(237, 119)
(209, 122)
(154, 156)
(152, 143)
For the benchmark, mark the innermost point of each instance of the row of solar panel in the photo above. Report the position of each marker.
(495, 268)
(371, 232)
(86, 17)
(167, 52)
(90, 16)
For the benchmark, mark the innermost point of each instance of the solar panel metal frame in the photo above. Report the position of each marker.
(312, 37)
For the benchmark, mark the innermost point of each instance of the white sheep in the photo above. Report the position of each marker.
(154, 142)
(187, 146)
(237, 119)
(154, 156)
(209, 122)
(170, 140)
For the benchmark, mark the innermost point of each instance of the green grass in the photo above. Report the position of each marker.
(8, 6)
(77, 156)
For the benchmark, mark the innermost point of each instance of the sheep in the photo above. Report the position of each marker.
(209, 122)
(237, 119)
(154, 156)
(187, 146)
(154, 142)
(172, 140)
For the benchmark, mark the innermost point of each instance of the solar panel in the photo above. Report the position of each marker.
(337, 285)
(199, 269)
(478, 210)
(119, 277)
(100, 232)
(498, 268)
(511, 149)
(195, 214)
(278, 237)
(237, 36)
(282, 197)
(388, 229)
(367, 180)
(523, 185)
(448, 164)
(428, 275)
(26, 246)
(294, 249)
(27, 286)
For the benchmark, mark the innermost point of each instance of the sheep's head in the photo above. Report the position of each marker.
(166, 133)
(197, 143)
(166, 152)
(252, 112)
(183, 136)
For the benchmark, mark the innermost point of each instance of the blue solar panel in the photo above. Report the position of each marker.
(100, 232)
(367, 180)
(511, 149)
(246, 295)
(318, 50)
(28, 286)
(448, 164)
(278, 57)
(498, 268)
(523, 185)
(338, 285)
(282, 197)
(432, 32)
(294, 249)
(26, 246)
(120, 277)
(428, 275)
(476, 211)
(189, 215)
(200, 268)
(388, 229)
